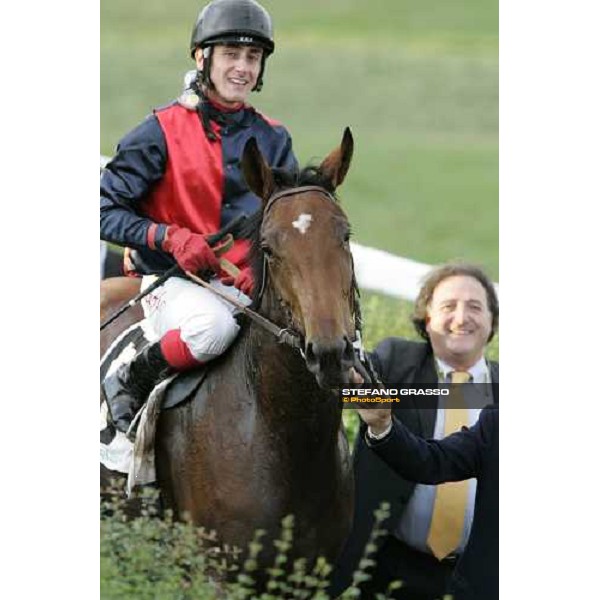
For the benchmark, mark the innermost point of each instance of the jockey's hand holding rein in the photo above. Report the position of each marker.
(378, 420)
(244, 281)
(190, 250)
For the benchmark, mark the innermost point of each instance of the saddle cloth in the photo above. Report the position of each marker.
(117, 452)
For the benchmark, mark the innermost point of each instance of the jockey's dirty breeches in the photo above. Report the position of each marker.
(206, 322)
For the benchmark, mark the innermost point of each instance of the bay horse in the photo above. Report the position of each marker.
(263, 437)
(114, 292)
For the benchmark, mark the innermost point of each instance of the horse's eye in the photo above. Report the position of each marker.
(266, 249)
(347, 237)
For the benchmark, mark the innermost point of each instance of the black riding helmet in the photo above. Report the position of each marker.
(243, 22)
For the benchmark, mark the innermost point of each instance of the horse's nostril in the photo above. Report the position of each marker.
(331, 353)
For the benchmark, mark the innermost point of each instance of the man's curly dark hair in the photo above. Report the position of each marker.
(438, 275)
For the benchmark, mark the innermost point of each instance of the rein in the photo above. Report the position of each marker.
(283, 335)
(287, 335)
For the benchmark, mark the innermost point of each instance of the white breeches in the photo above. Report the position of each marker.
(206, 322)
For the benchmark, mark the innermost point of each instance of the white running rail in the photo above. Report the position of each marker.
(380, 271)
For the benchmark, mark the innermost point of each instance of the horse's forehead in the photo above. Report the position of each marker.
(307, 212)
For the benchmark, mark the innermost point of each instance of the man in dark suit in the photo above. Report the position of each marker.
(457, 314)
(467, 453)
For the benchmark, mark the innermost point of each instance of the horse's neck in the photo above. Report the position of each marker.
(279, 371)
(304, 418)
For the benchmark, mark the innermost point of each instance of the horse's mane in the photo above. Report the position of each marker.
(284, 179)
(309, 175)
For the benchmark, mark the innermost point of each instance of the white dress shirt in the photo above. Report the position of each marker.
(413, 527)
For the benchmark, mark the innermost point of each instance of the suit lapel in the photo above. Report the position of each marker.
(495, 375)
(427, 374)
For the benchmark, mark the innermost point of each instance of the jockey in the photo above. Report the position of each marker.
(175, 179)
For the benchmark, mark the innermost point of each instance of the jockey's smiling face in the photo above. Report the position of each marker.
(234, 73)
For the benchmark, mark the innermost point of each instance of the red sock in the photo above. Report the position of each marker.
(176, 352)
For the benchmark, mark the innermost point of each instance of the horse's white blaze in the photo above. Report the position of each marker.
(302, 223)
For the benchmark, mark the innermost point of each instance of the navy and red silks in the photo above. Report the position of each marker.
(166, 171)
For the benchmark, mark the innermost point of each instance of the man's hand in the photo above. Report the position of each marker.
(244, 281)
(356, 377)
(190, 250)
(378, 419)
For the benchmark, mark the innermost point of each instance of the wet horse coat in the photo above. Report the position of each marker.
(263, 437)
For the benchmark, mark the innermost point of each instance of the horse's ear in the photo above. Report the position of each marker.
(256, 171)
(336, 165)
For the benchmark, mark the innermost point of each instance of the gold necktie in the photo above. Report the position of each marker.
(450, 503)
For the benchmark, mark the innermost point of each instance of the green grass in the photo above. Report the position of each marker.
(416, 80)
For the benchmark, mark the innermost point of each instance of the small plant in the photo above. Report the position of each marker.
(367, 562)
(151, 557)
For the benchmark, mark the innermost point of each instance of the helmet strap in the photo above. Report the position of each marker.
(206, 65)
(259, 81)
(200, 82)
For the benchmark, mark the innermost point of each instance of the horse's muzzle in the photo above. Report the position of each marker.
(330, 361)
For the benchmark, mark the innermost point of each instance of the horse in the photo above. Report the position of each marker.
(116, 290)
(263, 436)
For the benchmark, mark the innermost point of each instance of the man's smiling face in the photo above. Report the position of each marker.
(234, 73)
(459, 321)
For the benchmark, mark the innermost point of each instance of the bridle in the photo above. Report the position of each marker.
(288, 335)
(270, 202)
(288, 332)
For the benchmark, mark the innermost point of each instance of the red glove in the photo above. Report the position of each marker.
(190, 250)
(244, 281)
